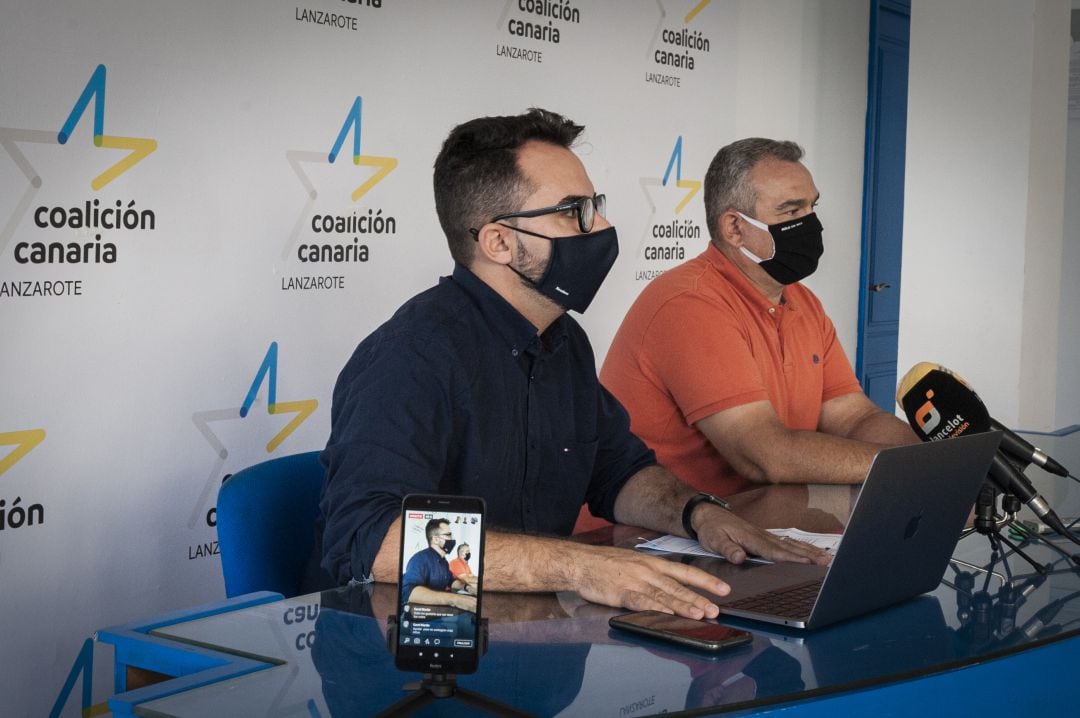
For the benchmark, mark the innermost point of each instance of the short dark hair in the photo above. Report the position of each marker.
(433, 526)
(476, 172)
(727, 183)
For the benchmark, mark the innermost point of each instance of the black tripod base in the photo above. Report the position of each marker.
(988, 524)
(433, 687)
(996, 548)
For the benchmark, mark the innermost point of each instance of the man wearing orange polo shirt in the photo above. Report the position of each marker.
(729, 367)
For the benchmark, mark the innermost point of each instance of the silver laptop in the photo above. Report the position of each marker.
(901, 533)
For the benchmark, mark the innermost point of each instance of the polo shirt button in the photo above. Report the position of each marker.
(772, 310)
(515, 352)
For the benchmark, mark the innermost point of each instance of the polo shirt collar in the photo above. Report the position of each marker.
(741, 282)
(515, 330)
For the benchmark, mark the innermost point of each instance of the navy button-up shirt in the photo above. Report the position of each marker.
(457, 394)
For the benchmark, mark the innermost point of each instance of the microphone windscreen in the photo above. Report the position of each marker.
(940, 405)
(914, 374)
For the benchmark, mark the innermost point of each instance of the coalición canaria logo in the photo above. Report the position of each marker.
(92, 219)
(266, 375)
(543, 20)
(663, 240)
(675, 47)
(17, 513)
(329, 239)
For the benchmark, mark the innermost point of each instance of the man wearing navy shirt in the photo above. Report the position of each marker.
(483, 385)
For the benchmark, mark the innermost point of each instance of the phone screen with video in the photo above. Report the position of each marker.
(440, 584)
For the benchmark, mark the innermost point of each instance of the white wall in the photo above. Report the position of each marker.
(1068, 406)
(137, 383)
(984, 199)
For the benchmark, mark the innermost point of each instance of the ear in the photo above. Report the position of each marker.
(494, 242)
(730, 229)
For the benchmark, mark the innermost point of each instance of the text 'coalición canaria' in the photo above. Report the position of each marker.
(676, 229)
(92, 215)
(536, 11)
(681, 40)
(371, 223)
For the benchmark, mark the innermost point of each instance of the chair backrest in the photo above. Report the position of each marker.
(266, 524)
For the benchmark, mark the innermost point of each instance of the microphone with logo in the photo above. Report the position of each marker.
(953, 391)
(940, 405)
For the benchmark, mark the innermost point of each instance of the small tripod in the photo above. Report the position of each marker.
(436, 686)
(443, 685)
(989, 523)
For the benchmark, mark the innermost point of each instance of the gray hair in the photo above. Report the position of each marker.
(727, 183)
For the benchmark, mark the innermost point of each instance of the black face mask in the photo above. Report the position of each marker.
(468, 556)
(577, 267)
(448, 545)
(797, 247)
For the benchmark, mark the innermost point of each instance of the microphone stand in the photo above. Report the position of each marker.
(989, 524)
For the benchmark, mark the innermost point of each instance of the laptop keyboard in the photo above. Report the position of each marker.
(795, 601)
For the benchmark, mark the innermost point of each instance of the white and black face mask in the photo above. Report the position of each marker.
(797, 247)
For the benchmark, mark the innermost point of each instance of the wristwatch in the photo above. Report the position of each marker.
(688, 510)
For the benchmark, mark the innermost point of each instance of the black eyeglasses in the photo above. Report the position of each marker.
(586, 208)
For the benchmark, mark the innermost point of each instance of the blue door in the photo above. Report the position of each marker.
(883, 200)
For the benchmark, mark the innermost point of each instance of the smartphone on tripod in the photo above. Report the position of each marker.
(440, 584)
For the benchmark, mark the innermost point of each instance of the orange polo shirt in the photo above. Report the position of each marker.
(458, 567)
(701, 339)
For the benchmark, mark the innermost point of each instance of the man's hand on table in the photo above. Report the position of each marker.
(636, 581)
(722, 532)
(627, 579)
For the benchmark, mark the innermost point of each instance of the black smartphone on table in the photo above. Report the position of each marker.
(440, 584)
(701, 635)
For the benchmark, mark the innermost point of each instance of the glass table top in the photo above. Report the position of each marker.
(554, 654)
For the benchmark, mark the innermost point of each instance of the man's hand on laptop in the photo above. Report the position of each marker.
(639, 582)
(724, 533)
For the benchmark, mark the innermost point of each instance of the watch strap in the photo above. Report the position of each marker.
(688, 510)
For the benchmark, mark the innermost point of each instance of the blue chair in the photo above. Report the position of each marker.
(266, 524)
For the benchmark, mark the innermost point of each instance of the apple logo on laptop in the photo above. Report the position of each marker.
(912, 526)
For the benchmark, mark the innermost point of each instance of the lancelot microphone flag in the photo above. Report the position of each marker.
(939, 404)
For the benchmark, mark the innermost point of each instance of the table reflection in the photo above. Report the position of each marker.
(550, 654)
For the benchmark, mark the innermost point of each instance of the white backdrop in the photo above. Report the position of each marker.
(122, 399)
(986, 271)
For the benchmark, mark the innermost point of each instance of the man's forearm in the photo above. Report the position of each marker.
(816, 458)
(429, 596)
(653, 498)
(844, 459)
(805, 457)
(761, 449)
(616, 576)
(885, 429)
(512, 562)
